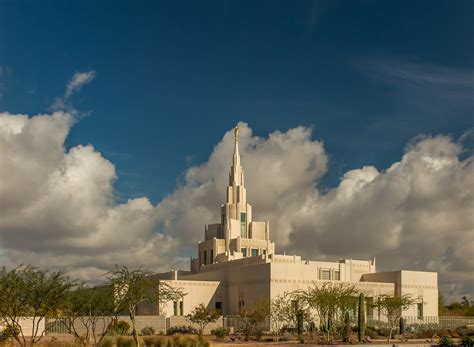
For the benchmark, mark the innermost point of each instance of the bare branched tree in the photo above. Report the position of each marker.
(133, 287)
(91, 308)
(392, 307)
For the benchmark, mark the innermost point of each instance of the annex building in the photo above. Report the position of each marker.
(237, 265)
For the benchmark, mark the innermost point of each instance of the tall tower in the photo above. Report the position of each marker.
(237, 235)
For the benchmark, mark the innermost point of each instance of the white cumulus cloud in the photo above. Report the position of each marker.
(58, 209)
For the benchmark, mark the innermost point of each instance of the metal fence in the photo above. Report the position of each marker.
(412, 324)
(57, 326)
(437, 323)
(422, 323)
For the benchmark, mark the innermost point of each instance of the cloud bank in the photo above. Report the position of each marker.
(57, 206)
(58, 209)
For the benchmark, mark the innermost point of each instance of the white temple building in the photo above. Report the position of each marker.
(237, 265)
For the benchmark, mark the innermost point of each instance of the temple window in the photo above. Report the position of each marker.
(243, 225)
(419, 310)
(325, 274)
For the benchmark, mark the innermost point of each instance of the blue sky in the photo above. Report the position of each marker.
(172, 77)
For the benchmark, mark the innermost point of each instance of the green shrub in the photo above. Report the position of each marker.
(149, 341)
(160, 341)
(155, 341)
(123, 341)
(426, 333)
(146, 331)
(107, 342)
(371, 332)
(467, 341)
(462, 330)
(119, 328)
(201, 342)
(182, 330)
(286, 336)
(220, 333)
(384, 332)
(443, 333)
(9, 331)
(179, 340)
(446, 341)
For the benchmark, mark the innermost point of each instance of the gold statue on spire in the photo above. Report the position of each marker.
(236, 133)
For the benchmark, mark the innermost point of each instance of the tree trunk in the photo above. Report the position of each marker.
(134, 327)
(390, 334)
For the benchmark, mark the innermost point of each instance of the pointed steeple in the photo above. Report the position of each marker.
(236, 161)
(236, 177)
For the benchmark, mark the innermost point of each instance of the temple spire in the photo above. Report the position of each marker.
(236, 175)
(236, 133)
(236, 161)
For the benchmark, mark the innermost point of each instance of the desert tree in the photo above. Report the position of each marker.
(133, 287)
(331, 301)
(253, 318)
(280, 313)
(392, 306)
(91, 308)
(300, 312)
(203, 316)
(259, 313)
(27, 291)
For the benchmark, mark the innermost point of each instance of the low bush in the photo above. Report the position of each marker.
(371, 332)
(286, 336)
(158, 341)
(446, 341)
(462, 330)
(123, 341)
(443, 333)
(426, 334)
(179, 340)
(258, 333)
(9, 331)
(147, 331)
(149, 341)
(119, 328)
(467, 341)
(385, 332)
(220, 333)
(107, 342)
(454, 335)
(182, 330)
